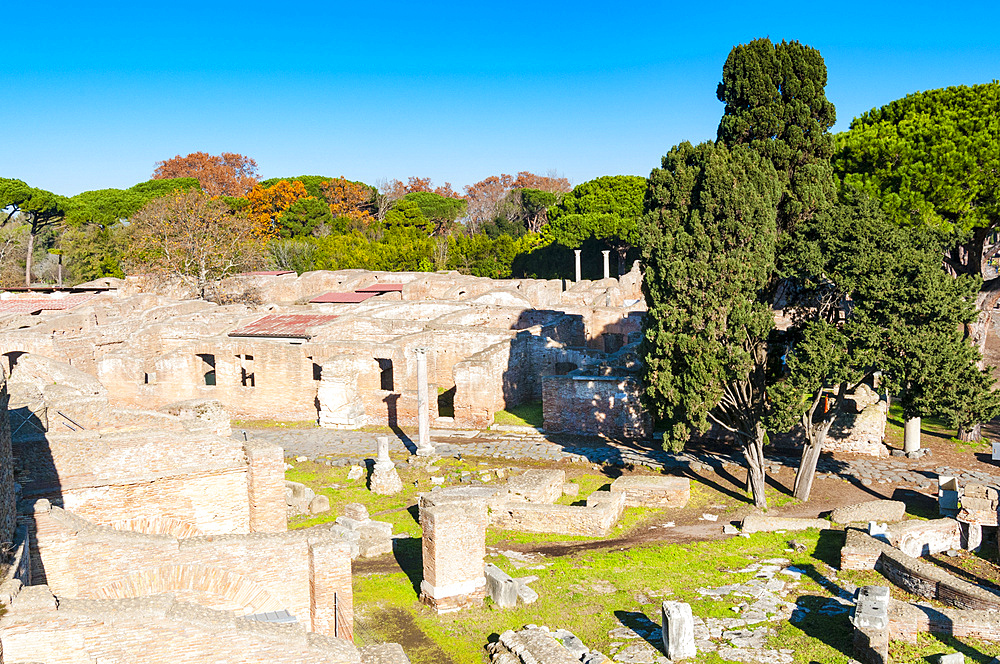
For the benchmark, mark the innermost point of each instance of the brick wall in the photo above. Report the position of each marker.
(158, 631)
(582, 402)
(298, 571)
(907, 620)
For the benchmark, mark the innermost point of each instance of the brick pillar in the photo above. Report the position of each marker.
(8, 508)
(454, 548)
(331, 596)
(266, 487)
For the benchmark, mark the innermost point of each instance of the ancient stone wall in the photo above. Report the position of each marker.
(907, 620)
(297, 571)
(587, 403)
(189, 483)
(595, 520)
(156, 630)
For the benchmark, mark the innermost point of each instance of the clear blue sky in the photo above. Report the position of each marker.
(97, 92)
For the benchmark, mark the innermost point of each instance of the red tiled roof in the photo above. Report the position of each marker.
(381, 288)
(33, 306)
(283, 325)
(342, 298)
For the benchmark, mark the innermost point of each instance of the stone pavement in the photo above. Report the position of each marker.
(338, 446)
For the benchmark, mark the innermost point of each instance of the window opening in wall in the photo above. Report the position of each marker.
(208, 367)
(446, 402)
(147, 378)
(317, 368)
(385, 373)
(246, 370)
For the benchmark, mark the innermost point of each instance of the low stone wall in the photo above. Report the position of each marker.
(656, 491)
(907, 620)
(862, 551)
(602, 512)
(154, 630)
(299, 571)
(536, 486)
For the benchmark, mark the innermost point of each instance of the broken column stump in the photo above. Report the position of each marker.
(385, 480)
(678, 631)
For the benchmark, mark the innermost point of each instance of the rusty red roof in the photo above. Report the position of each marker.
(381, 288)
(35, 305)
(342, 298)
(297, 326)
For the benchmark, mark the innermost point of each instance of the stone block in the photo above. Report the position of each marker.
(500, 587)
(383, 653)
(524, 593)
(996, 451)
(319, 504)
(571, 489)
(871, 625)
(678, 630)
(356, 511)
(759, 523)
(882, 511)
(921, 538)
(951, 658)
(656, 491)
(536, 486)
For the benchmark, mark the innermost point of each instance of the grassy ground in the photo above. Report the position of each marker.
(591, 591)
(525, 415)
(275, 424)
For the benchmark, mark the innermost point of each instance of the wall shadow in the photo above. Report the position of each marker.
(640, 624)
(392, 410)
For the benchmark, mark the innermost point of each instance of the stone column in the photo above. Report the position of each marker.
(678, 631)
(424, 446)
(385, 480)
(911, 435)
(607, 264)
(578, 275)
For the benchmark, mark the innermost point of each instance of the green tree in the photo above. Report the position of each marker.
(441, 211)
(870, 296)
(933, 158)
(38, 209)
(307, 216)
(607, 208)
(709, 251)
(776, 104)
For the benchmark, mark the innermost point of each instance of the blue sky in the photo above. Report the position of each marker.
(97, 92)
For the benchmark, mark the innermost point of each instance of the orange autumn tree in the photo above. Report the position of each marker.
(228, 174)
(348, 199)
(267, 204)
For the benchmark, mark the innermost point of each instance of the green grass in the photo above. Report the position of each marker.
(640, 578)
(274, 424)
(525, 415)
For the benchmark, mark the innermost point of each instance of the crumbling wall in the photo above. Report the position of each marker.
(602, 512)
(297, 571)
(156, 630)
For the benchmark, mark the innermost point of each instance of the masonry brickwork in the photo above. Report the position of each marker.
(8, 506)
(454, 547)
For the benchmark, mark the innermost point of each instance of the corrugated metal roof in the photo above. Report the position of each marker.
(342, 298)
(381, 288)
(32, 306)
(298, 326)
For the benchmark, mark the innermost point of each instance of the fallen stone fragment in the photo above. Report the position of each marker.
(882, 511)
(759, 523)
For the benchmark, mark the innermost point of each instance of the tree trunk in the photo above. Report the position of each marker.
(971, 434)
(753, 451)
(810, 457)
(27, 261)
